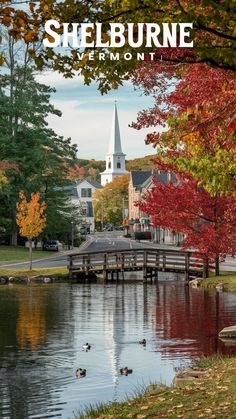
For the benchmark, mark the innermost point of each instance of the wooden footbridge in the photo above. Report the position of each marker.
(113, 264)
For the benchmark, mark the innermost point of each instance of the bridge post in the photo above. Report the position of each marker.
(70, 266)
(157, 265)
(145, 265)
(87, 265)
(83, 264)
(187, 259)
(123, 266)
(105, 267)
(164, 262)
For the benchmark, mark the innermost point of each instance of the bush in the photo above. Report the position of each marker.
(78, 241)
(142, 235)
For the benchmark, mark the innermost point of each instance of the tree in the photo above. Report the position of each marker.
(208, 222)
(141, 163)
(5, 165)
(30, 218)
(42, 158)
(199, 110)
(196, 104)
(213, 34)
(109, 202)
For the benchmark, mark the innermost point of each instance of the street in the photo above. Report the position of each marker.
(112, 240)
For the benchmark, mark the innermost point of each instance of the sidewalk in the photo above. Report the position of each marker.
(228, 265)
(147, 243)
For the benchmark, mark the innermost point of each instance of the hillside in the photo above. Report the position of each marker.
(92, 168)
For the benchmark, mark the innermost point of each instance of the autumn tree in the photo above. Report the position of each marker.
(30, 218)
(208, 222)
(141, 163)
(196, 104)
(213, 34)
(109, 203)
(199, 110)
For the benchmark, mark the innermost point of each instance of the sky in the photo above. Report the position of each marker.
(87, 116)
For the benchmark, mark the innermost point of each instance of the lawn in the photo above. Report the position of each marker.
(22, 273)
(13, 254)
(211, 396)
(228, 279)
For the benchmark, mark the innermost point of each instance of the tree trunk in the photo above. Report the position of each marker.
(217, 266)
(30, 254)
(14, 238)
(205, 267)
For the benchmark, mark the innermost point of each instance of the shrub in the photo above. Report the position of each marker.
(142, 235)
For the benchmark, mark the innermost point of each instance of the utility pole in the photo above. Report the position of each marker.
(102, 214)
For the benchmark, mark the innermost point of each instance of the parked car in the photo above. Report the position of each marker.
(119, 228)
(52, 245)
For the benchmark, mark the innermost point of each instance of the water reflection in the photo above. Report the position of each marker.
(43, 328)
(31, 323)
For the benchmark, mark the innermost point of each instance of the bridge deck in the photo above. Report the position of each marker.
(150, 261)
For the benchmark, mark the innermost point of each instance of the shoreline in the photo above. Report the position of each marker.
(211, 393)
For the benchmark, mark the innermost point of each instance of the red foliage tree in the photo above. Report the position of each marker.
(208, 222)
(197, 103)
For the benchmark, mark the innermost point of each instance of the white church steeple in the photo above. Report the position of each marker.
(115, 159)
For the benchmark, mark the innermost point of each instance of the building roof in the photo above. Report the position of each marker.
(162, 177)
(92, 182)
(143, 179)
(138, 177)
(115, 142)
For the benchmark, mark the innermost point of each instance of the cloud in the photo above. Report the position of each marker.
(55, 79)
(87, 115)
(90, 130)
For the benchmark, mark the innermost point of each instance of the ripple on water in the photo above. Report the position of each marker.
(41, 342)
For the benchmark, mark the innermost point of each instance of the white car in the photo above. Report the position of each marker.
(52, 245)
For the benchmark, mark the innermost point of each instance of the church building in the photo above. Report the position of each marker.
(115, 159)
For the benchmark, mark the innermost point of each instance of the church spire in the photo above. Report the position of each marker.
(115, 159)
(115, 143)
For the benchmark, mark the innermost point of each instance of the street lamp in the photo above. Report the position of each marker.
(72, 234)
(102, 214)
(123, 208)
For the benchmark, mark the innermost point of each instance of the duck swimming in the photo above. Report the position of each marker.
(125, 371)
(143, 342)
(80, 372)
(86, 347)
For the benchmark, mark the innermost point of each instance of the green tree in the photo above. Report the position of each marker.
(42, 158)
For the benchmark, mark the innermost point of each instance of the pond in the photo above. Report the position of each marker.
(43, 328)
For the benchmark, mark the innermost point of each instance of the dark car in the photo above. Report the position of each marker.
(52, 245)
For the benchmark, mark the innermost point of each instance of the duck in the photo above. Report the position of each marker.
(125, 371)
(86, 347)
(80, 372)
(143, 342)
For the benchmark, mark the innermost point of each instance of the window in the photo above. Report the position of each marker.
(118, 165)
(86, 193)
(89, 209)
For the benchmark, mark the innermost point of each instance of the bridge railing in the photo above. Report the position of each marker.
(136, 259)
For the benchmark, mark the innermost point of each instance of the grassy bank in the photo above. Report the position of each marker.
(11, 254)
(228, 279)
(212, 396)
(22, 273)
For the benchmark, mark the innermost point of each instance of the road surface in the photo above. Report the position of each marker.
(101, 242)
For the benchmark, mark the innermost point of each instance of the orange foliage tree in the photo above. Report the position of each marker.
(109, 203)
(30, 218)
